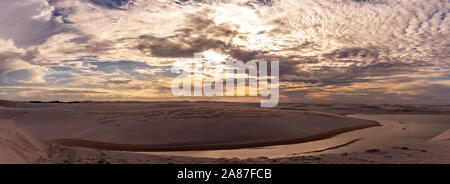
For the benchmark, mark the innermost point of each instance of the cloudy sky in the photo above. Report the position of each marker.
(351, 51)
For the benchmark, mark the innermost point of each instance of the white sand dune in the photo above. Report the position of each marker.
(16, 146)
(50, 133)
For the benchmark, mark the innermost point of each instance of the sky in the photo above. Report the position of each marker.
(336, 51)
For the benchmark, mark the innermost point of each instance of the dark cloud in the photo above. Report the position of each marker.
(30, 55)
(179, 48)
(28, 23)
(81, 91)
(200, 34)
(265, 2)
(364, 63)
(80, 40)
(63, 13)
(110, 4)
(119, 81)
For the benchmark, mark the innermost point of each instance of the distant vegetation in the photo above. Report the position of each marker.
(72, 102)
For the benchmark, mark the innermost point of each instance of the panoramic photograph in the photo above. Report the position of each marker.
(235, 82)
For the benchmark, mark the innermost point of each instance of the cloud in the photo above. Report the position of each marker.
(111, 4)
(27, 22)
(199, 34)
(15, 68)
(328, 49)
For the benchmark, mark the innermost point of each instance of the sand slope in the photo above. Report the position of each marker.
(16, 146)
(443, 136)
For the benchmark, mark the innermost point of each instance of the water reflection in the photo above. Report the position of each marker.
(397, 129)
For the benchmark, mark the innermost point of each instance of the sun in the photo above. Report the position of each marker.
(211, 55)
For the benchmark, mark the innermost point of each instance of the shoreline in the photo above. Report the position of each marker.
(367, 139)
(431, 152)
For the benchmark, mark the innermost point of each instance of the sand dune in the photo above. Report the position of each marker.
(17, 147)
(49, 133)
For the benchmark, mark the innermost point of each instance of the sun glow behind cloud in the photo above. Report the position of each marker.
(329, 50)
